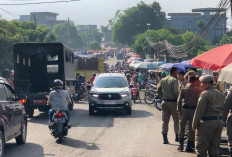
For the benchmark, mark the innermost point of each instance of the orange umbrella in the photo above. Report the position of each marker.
(136, 56)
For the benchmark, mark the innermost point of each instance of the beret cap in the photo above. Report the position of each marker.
(206, 78)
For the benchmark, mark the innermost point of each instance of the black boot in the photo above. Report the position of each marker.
(177, 138)
(165, 138)
(189, 147)
(193, 144)
(181, 146)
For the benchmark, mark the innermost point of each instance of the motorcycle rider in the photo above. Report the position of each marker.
(58, 99)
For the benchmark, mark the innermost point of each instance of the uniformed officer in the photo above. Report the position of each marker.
(168, 90)
(227, 118)
(187, 103)
(181, 79)
(207, 121)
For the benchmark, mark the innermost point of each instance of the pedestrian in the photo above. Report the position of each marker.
(181, 79)
(218, 85)
(227, 118)
(92, 78)
(140, 79)
(187, 103)
(207, 121)
(169, 91)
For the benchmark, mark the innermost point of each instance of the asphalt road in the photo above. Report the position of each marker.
(106, 134)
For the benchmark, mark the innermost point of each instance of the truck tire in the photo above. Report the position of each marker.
(2, 142)
(21, 139)
(91, 110)
(29, 111)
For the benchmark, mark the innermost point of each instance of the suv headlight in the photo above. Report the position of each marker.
(125, 94)
(94, 95)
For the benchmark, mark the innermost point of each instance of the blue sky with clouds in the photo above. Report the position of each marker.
(97, 11)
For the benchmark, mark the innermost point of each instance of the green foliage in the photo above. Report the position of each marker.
(141, 45)
(13, 32)
(90, 36)
(201, 24)
(67, 34)
(135, 20)
(227, 38)
(94, 45)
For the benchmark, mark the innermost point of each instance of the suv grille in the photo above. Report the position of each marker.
(109, 96)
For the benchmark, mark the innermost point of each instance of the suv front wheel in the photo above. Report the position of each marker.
(128, 110)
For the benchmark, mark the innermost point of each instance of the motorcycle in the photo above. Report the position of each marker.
(158, 102)
(134, 93)
(59, 127)
(150, 93)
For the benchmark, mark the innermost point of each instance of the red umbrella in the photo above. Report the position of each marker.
(214, 59)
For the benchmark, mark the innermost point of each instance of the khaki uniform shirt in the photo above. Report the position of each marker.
(182, 85)
(188, 97)
(210, 103)
(227, 105)
(168, 88)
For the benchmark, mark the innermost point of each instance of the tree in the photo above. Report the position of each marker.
(90, 36)
(201, 25)
(13, 32)
(67, 34)
(226, 38)
(136, 20)
(94, 46)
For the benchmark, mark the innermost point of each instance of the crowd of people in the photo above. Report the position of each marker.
(198, 105)
(199, 108)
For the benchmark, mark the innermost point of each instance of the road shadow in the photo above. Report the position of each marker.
(74, 143)
(41, 118)
(27, 149)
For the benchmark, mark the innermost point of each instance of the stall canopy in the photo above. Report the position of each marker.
(145, 65)
(226, 74)
(214, 59)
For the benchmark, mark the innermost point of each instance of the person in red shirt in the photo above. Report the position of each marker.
(92, 78)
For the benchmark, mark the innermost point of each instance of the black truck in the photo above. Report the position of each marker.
(36, 66)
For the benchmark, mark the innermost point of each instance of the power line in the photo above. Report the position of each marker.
(36, 3)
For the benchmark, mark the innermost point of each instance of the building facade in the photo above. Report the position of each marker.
(190, 21)
(43, 18)
(84, 28)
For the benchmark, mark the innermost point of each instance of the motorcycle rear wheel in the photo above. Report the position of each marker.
(158, 105)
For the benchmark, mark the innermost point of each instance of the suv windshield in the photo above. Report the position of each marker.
(110, 82)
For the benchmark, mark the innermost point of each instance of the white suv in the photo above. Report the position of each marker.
(110, 92)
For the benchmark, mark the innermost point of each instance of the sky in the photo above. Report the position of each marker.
(96, 11)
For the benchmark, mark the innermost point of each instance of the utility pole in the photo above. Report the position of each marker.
(231, 8)
(69, 38)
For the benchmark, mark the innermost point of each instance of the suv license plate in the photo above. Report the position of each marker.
(59, 120)
(110, 102)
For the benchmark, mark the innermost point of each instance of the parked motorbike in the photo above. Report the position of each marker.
(158, 102)
(59, 127)
(150, 93)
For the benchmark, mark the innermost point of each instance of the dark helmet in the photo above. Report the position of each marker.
(94, 74)
(58, 84)
(6, 73)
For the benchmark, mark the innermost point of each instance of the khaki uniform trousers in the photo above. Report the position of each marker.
(187, 118)
(208, 138)
(229, 132)
(169, 109)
